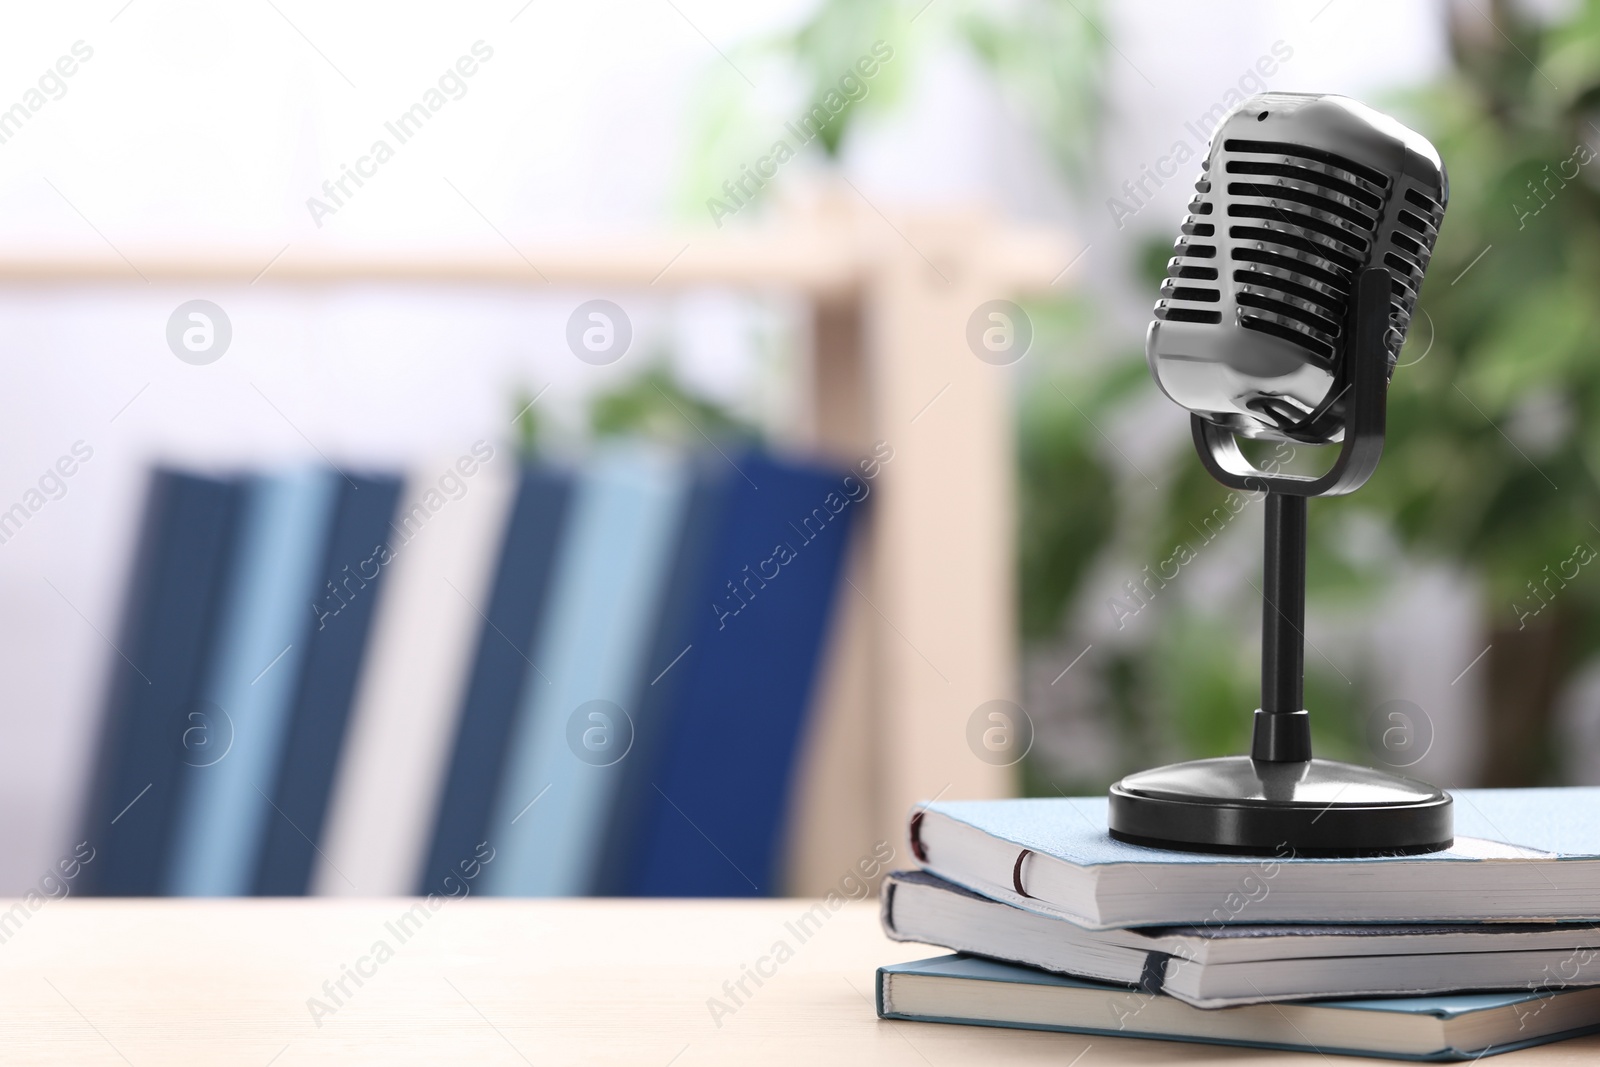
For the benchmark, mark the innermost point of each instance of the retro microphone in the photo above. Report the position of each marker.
(1295, 276)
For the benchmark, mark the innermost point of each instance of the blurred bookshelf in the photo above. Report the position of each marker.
(923, 630)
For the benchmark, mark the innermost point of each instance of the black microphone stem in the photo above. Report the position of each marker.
(1282, 728)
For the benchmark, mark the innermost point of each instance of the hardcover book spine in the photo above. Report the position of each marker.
(659, 685)
(501, 665)
(581, 709)
(261, 640)
(388, 784)
(763, 604)
(156, 680)
(352, 578)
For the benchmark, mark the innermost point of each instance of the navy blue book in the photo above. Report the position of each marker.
(350, 581)
(156, 680)
(500, 671)
(758, 612)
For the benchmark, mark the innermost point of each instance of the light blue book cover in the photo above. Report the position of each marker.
(1497, 1022)
(250, 684)
(576, 724)
(1517, 854)
(1557, 823)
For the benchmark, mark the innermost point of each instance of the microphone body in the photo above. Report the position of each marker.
(1299, 194)
(1281, 318)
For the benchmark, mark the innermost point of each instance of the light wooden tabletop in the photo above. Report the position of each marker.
(257, 982)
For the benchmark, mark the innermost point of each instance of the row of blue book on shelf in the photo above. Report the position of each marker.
(492, 677)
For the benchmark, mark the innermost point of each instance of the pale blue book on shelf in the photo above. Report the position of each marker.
(582, 691)
(250, 684)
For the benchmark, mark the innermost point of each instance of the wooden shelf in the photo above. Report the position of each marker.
(817, 260)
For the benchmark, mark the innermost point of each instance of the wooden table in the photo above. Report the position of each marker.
(495, 982)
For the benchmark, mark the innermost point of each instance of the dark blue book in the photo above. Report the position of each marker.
(712, 822)
(500, 671)
(156, 680)
(350, 581)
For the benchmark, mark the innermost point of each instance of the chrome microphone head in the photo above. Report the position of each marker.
(1298, 194)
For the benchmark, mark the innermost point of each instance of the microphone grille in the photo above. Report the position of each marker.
(1286, 213)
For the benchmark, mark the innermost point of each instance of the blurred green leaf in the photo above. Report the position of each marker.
(654, 404)
(526, 423)
(1045, 56)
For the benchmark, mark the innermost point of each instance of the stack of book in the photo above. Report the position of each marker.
(1490, 946)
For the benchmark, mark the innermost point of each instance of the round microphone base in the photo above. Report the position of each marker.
(1252, 807)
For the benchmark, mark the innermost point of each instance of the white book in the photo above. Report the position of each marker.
(445, 540)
